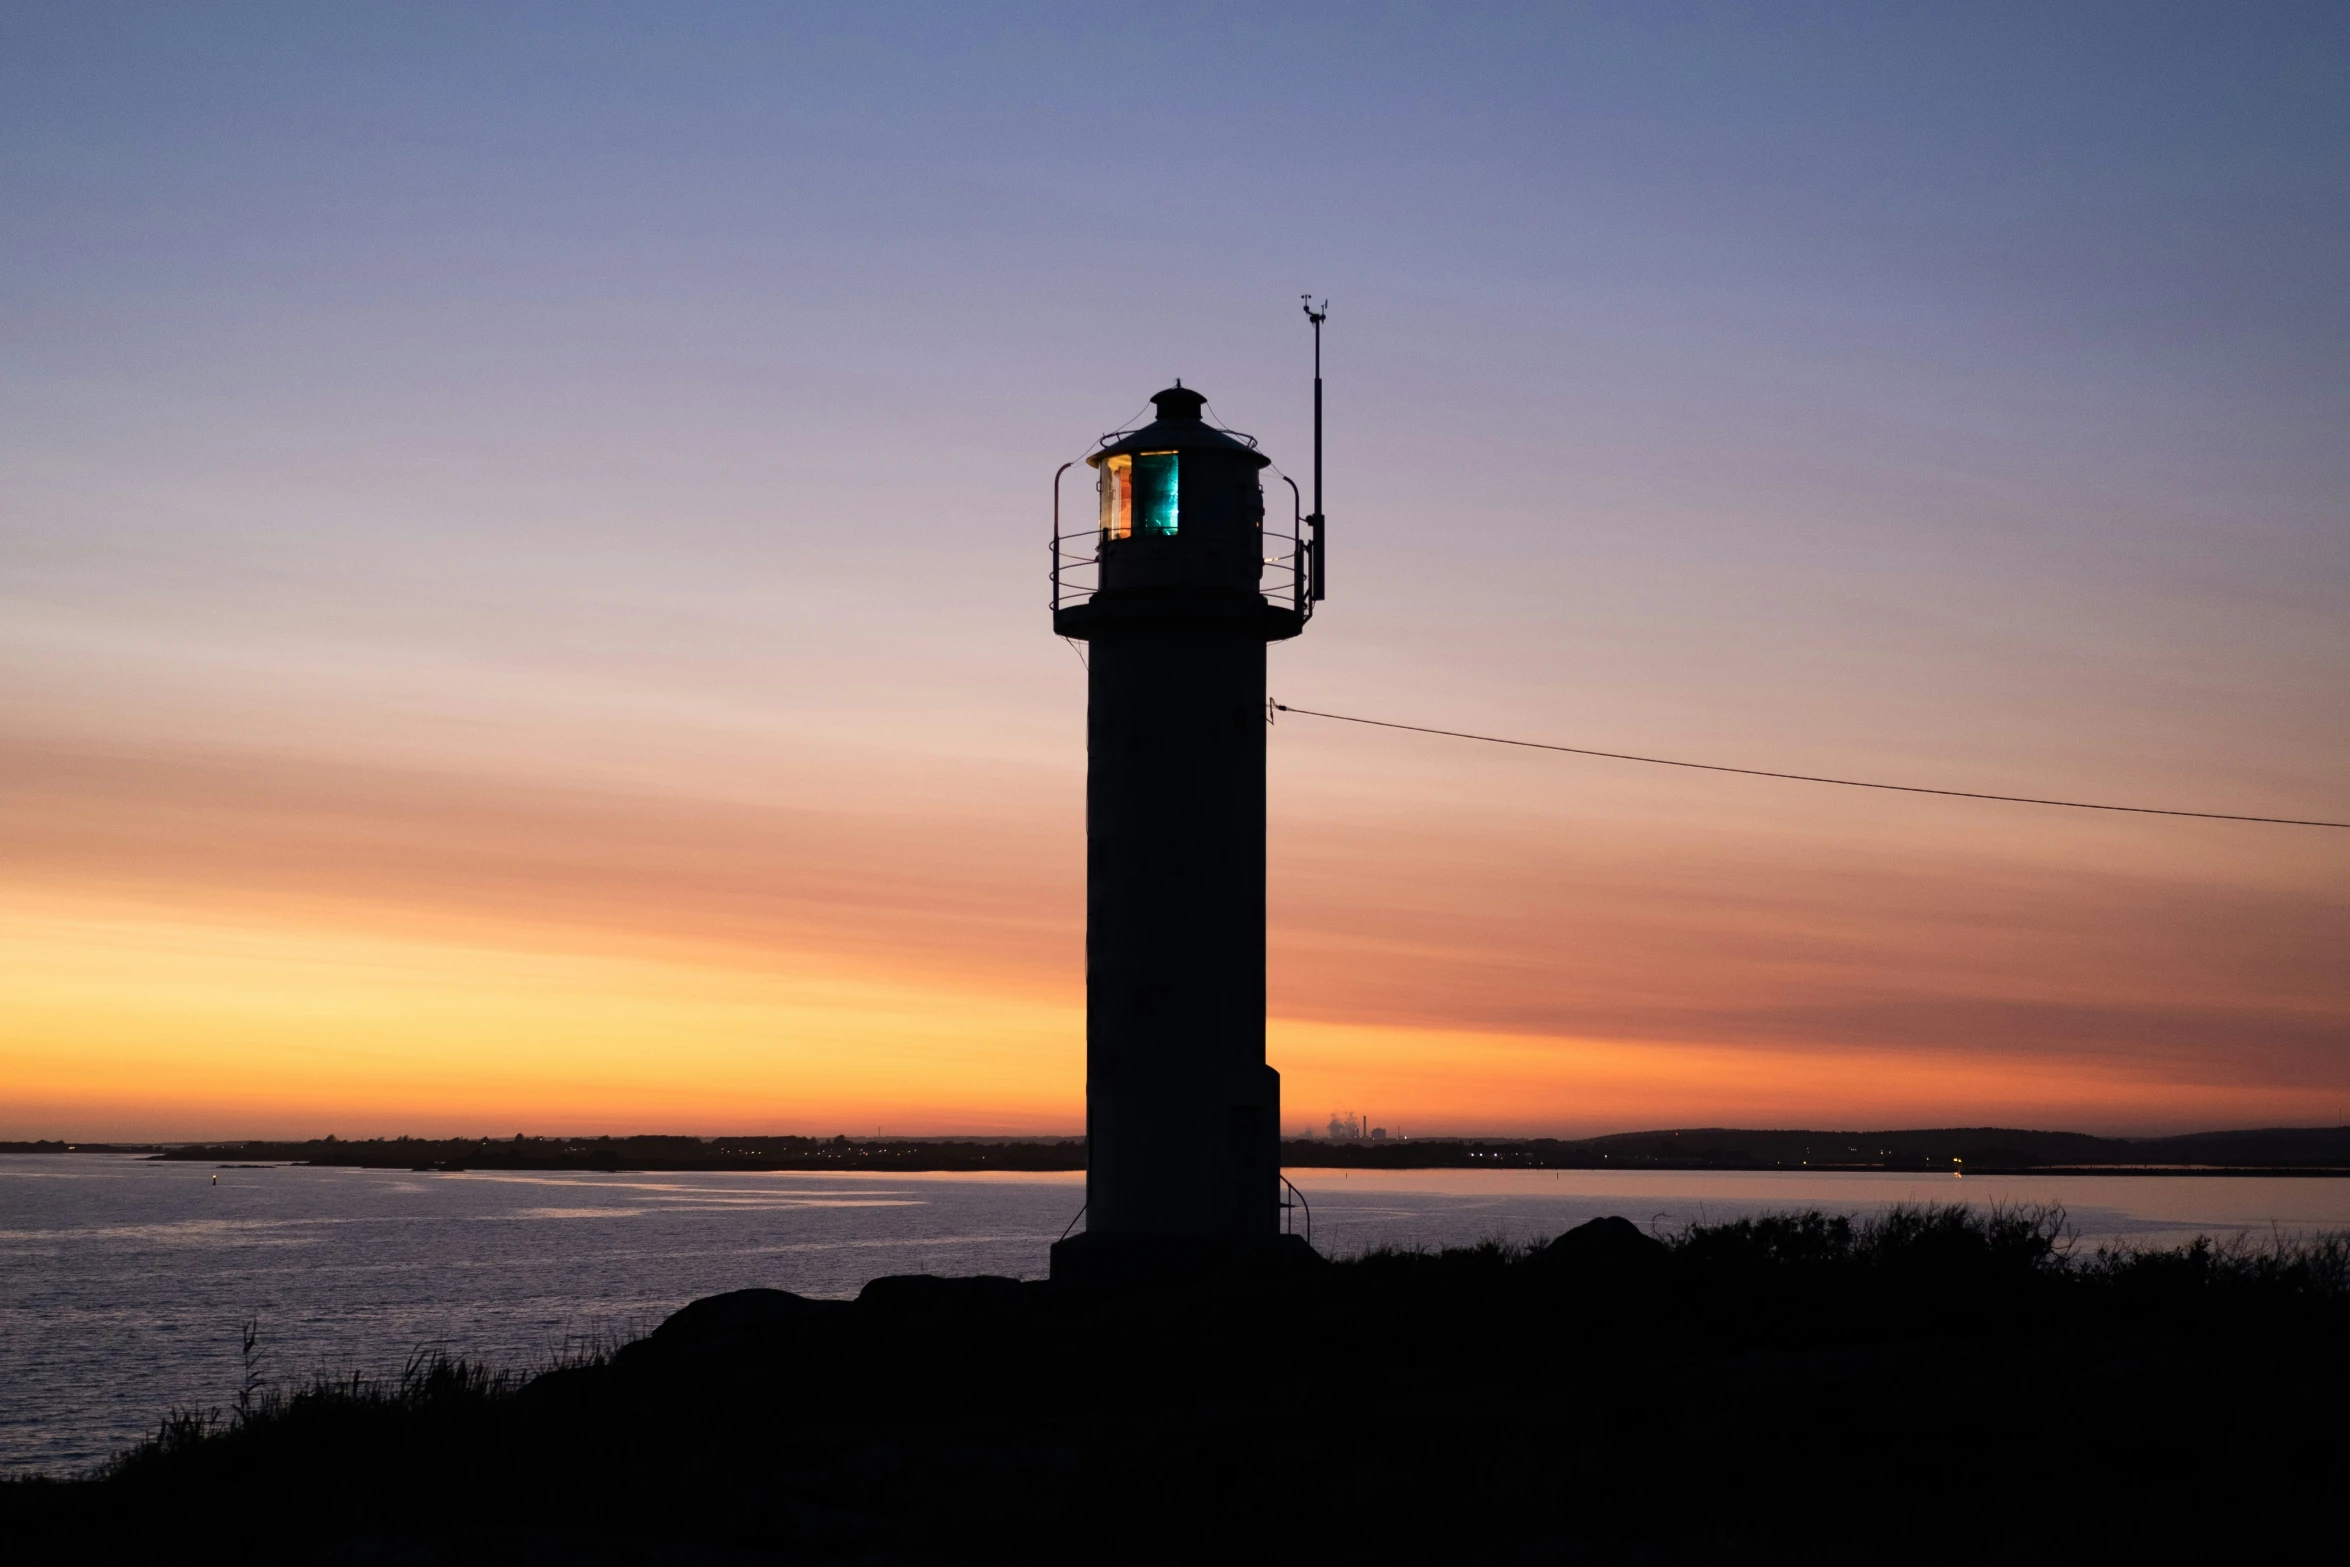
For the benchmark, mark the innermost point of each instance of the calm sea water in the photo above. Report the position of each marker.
(124, 1284)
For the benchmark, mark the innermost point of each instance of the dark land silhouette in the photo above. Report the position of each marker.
(1934, 1385)
(1986, 1150)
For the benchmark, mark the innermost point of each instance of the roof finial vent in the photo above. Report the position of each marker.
(1179, 402)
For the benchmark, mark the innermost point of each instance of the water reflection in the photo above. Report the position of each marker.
(1357, 1209)
(123, 1283)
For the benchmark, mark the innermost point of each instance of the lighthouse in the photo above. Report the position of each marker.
(1177, 590)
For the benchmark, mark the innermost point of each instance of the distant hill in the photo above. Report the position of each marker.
(1976, 1150)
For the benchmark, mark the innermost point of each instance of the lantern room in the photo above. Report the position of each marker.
(1180, 502)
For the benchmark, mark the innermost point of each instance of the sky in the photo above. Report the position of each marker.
(523, 528)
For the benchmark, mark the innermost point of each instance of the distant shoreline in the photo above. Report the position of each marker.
(2272, 1151)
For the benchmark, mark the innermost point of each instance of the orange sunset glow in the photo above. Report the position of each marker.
(202, 944)
(526, 610)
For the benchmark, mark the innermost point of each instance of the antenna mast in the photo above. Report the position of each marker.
(1314, 522)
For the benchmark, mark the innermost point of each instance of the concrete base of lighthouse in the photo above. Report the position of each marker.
(1133, 1258)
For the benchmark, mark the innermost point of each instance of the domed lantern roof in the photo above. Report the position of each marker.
(1178, 428)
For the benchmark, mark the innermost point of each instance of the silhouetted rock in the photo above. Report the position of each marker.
(1291, 1252)
(909, 1294)
(1601, 1245)
(724, 1324)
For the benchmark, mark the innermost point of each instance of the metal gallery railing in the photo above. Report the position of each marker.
(1293, 1202)
(1287, 581)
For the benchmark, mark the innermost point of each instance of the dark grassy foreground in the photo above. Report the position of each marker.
(1936, 1386)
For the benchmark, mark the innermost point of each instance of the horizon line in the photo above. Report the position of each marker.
(96, 1143)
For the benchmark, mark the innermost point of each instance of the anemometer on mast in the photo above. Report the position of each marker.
(1315, 591)
(1145, 495)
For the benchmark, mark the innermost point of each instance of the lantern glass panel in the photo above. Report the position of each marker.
(1141, 493)
(1117, 491)
(1157, 494)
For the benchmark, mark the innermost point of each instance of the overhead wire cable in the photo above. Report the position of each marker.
(1127, 426)
(1216, 422)
(1846, 783)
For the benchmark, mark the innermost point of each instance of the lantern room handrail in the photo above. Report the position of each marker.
(1057, 534)
(1289, 1207)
